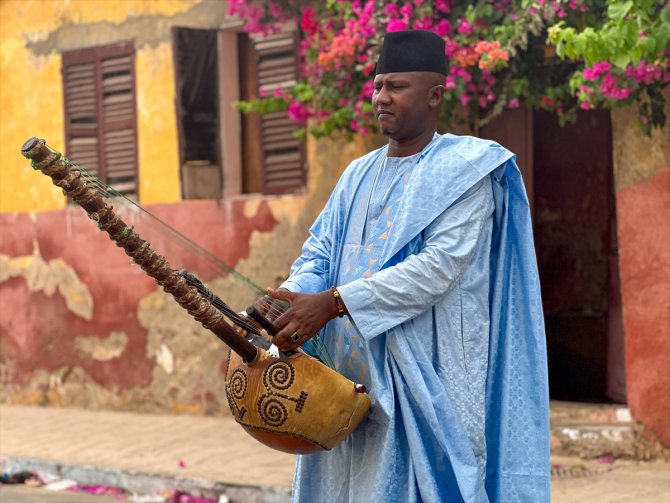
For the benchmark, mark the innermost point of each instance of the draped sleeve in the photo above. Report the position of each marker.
(309, 273)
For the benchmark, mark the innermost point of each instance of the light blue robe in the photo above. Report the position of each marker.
(434, 259)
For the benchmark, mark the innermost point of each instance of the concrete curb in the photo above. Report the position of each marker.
(147, 483)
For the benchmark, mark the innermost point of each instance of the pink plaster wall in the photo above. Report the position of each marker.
(643, 214)
(38, 330)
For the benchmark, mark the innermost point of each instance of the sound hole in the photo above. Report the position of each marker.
(272, 411)
(279, 375)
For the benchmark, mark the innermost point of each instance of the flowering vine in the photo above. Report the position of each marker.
(556, 55)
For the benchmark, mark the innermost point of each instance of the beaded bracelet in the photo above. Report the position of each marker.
(338, 302)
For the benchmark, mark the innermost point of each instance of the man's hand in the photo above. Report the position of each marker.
(305, 316)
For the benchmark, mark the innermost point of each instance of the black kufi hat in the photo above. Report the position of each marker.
(412, 51)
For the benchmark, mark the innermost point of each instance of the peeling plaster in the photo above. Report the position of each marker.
(146, 30)
(72, 386)
(165, 359)
(103, 349)
(47, 277)
(251, 207)
(637, 157)
(188, 356)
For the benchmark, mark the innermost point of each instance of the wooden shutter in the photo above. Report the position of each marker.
(283, 156)
(100, 113)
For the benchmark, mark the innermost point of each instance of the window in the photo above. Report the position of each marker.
(274, 158)
(223, 152)
(100, 113)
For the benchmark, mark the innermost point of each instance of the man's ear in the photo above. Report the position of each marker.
(436, 93)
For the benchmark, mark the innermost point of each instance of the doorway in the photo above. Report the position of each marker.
(568, 173)
(197, 105)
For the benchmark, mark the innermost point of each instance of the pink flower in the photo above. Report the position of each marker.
(450, 49)
(608, 86)
(450, 83)
(601, 67)
(598, 69)
(644, 73)
(586, 90)
(443, 28)
(396, 25)
(391, 9)
(309, 23)
(425, 23)
(464, 27)
(297, 112)
(585, 105)
(406, 10)
(513, 103)
(465, 99)
(590, 74)
(442, 6)
(367, 90)
(275, 11)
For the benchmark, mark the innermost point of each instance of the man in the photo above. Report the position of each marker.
(425, 247)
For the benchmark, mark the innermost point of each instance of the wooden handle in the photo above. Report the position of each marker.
(54, 165)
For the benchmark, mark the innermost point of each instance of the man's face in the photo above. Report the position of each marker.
(400, 102)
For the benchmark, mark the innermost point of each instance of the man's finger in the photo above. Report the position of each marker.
(281, 322)
(283, 339)
(281, 294)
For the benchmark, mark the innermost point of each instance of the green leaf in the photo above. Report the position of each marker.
(487, 10)
(560, 49)
(579, 43)
(619, 10)
(621, 60)
(555, 32)
(665, 16)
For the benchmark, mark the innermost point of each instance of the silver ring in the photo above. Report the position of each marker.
(295, 337)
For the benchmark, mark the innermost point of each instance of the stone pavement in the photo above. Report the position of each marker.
(26, 494)
(209, 456)
(622, 482)
(144, 453)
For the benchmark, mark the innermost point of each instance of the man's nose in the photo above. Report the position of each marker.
(383, 97)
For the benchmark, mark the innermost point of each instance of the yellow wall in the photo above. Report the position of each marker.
(157, 126)
(31, 95)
